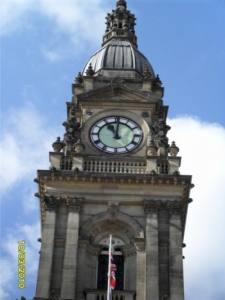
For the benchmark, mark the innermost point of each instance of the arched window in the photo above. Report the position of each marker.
(103, 259)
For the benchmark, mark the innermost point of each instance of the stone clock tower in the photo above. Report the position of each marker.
(114, 172)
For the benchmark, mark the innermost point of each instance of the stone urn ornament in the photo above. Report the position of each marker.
(173, 149)
(79, 146)
(58, 145)
(152, 149)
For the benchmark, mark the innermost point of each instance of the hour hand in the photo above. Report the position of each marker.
(111, 128)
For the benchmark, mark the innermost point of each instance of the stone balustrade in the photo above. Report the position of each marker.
(144, 166)
(102, 295)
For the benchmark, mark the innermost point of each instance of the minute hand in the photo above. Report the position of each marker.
(116, 136)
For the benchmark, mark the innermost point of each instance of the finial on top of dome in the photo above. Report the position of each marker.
(120, 25)
(122, 3)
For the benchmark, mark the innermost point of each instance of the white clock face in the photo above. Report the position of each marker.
(116, 135)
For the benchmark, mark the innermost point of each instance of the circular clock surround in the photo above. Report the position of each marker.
(116, 135)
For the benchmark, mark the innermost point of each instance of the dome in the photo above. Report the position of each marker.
(118, 58)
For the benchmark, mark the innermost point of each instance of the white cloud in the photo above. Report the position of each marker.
(75, 18)
(202, 149)
(25, 142)
(9, 261)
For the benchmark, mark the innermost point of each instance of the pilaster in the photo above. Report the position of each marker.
(71, 247)
(176, 257)
(47, 247)
(152, 249)
(141, 272)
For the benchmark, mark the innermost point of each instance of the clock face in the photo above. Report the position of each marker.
(116, 135)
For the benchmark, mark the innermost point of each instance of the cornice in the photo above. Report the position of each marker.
(117, 104)
(114, 178)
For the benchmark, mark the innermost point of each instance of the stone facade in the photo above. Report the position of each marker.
(138, 196)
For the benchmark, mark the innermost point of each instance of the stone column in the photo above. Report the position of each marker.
(47, 247)
(176, 257)
(71, 247)
(152, 249)
(141, 274)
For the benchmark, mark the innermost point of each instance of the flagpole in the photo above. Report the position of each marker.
(109, 269)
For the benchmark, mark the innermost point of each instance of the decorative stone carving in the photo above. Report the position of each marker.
(79, 146)
(175, 207)
(159, 132)
(152, 149)
(53, 295)
(173, 149)
(145, 114)
(157, 81)
(89, 112)
(79, 78)
(57, 145)
(74, 203)
(192, 186)
(113, 209)
(151, 206)
(139, 244)
(72, 127)
(90, 71)
(52, 169)
(147, 74)
(51, 202)
(72, 112)
(118, 80)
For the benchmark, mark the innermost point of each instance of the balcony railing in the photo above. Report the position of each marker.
(114, 167)
(99, 165)
(116, 295)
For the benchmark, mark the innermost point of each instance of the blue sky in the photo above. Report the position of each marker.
(44, 44)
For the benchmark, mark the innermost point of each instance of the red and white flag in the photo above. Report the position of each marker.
(111, 272)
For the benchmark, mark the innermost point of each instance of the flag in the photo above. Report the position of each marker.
(111, 272)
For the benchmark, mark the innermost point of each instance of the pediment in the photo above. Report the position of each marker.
(115, 92)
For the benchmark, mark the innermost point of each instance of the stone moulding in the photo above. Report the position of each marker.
(151, 107)
(88, 227)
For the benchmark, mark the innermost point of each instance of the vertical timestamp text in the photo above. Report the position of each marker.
(21, 265)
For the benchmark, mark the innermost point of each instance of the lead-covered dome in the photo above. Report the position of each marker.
(118, 56)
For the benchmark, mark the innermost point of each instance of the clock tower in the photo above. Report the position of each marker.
(114, 172)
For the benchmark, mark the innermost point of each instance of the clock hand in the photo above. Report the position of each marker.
(111, 128)
(116, 136)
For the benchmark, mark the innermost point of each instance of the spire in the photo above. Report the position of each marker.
(120, 25)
